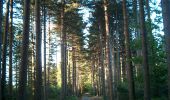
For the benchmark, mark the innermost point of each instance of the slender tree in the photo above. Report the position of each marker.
(74, 70)
(108, 50)
(145, 52)
(166, 22)
(1, 10)
(3, 84)
(128, 55)
(24, 53)
(63, 54)
(10, 49)
(38, 68)
(45, 69)
(101, 60)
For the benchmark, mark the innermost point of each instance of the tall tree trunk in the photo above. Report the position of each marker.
(3, 84)
(69, 80)
(151, 39)
(49, 48)
(148, 11)
(166, 22)
(108, 50)
(38, 68)
(123, 69)
(101, 60)
(24, 53)
(63, 54)
(93, 75)
(136, 33)
(74, 71)
(32, 66)
(1, 11)
(45, 69)
(48, 80)
(10, 49)
(145, 52)
(131, 87)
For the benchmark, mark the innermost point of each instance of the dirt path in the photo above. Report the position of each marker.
(85, 98)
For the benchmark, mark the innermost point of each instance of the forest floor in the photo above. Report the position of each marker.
(87, 96)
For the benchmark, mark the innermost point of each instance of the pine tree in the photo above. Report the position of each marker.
(44, 31)
(128, 55)
(4, 56)
(1, 11)
(24, 53)
(63, 53)
(38, 67)
(108, 50)
(166, 22)
(10, 49)
(145, 52)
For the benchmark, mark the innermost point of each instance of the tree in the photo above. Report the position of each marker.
(74, 68)
(44, 31)
(128, 55)
(101, 58)
(3, 84)
(63, 53)
(24, 53)
(1, 11)
(108, 49)
(10, 49)
(38, 67)
(166, 22)
(144, 52)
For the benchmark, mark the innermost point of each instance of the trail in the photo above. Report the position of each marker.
(88, 97)
(85, 98)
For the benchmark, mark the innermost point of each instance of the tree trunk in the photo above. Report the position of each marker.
(93, 76)
(1, 11)
(145, 52)
(45, 69)
(48, 80)
(101, 60)
(151, 40)
(131, 87)
(24, 53)
(3, 84)
(69, 80)
(63, 54)
(74, 71)
(108, 51)
(38, 68)
(10, 49)
(166, 22)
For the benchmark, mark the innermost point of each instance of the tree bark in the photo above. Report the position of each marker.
(74, 71)
(10, 49)
(24, 53)
(63, 54)
(4, 55)
(1, 12)
(166, 22)
(38, 68)
(101, 60)
(131, 87)
(108, 50)
(45, 69)
(145, 52)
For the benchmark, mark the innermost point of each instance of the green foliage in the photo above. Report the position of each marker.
(88, 88)
(136, 44)
(137, 60)
(71, 98)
